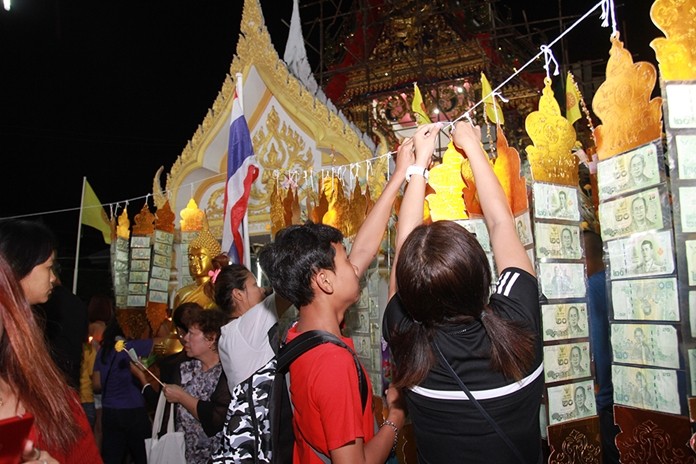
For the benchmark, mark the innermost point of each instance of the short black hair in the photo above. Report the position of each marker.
(296, 255)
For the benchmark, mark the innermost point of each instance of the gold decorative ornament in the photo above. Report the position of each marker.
(144, 222)
(629, 117)
(550, 157)
(156, 314)
(164, 218)
(507, 169)
(337, 213)
(446, 180)
(192, 217)
(277, 214)
(123, 227)
(676, 52)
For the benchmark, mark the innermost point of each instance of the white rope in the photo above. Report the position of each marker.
(548, 59)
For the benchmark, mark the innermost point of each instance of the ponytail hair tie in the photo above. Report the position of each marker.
(214, 274)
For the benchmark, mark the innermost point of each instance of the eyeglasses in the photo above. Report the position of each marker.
(181, 332)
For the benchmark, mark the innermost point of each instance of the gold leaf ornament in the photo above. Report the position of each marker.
(676, 52)
(629, 117)
(553, 136)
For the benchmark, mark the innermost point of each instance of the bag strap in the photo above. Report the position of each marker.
(311, 339)
(485, 414)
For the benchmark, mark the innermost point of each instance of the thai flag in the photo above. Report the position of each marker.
(241, 174)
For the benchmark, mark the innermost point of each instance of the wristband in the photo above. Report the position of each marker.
(418, 170)
(396, 432)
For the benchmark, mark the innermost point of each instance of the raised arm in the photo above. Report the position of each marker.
(507, 248)
(411, 211)
(372, 230)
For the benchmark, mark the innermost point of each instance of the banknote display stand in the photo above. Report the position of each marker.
(571, 412)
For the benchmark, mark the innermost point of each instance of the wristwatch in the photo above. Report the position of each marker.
(418, 170)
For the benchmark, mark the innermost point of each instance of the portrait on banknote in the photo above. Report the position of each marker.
(161, 272)
(562, 280)
(555, 202)
(567, 361)
(524, 228)
(557, 241)
(564, 321)
(137, 289)
(644, 254)
(646, 388)
(571, 401)
(681, 101)
(639, 212)
(651, 345)
(645, 299)
(630, 171)
(687, 200)
(135, 301)
(686, 148)
(159, 285)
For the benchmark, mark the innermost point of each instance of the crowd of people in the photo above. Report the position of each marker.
(468, 361)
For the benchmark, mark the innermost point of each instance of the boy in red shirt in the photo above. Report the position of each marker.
(309, 266)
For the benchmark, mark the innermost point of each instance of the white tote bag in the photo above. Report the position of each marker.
(171, 447)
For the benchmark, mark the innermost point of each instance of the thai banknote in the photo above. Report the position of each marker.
(692, 370)
(686, 149)
(652, 345)
(158, 297)
(634, 170)
(687, 201)
(164, 237)
(138, 277)
(562, 280)
(141, 253)
(681, 101)
(159, 285)
(690, 246)
(564, 321)
(136, 301)
(567, 361)
(161, 272)
(644, 254)
(646, 388)
(137, 289)
(140, 241)
(571, 401)
(639, 212)
(479, 229)
(555, 202)
(122, 244)
(692, 312)
(556, 241)
(645, 299)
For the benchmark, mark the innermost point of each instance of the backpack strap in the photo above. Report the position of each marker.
(311, 339)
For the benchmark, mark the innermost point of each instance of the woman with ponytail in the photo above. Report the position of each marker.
(442, 315)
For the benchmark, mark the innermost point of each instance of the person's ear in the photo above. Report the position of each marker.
(237, 294)
(323, 280)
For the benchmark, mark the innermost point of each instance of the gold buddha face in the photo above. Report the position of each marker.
(200, 262)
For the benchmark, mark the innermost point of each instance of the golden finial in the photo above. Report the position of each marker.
(123, 227)
(337, 212)
(446, 180)
(676, 52)
(164, 218)
(622, 102)
(191, 217)
(144, 221)
(550, 157)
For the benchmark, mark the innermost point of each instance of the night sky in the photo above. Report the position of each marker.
(113, 90)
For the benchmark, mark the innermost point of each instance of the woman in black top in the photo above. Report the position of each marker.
(491, 341)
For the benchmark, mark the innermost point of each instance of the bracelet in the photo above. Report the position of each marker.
(415, 169)
(396, 432)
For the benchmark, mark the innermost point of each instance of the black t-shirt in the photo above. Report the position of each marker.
(447, 425)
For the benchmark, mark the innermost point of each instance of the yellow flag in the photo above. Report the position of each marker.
(418, 107)
(93, 213)
(572, 100)
(493, 110)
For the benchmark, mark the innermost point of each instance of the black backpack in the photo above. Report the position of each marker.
(281, 409)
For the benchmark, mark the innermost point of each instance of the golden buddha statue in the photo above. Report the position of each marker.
(201, 252)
